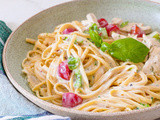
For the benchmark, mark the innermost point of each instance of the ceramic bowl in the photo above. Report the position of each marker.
(16, 48)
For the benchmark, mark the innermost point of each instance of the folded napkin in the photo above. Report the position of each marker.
(13, 105)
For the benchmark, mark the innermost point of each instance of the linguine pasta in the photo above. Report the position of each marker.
(106, 83)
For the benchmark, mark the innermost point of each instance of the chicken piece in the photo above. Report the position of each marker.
(117, 36)
(91, 18)
(133, 36)
(127, 28)
(150, 41)
(117, 21)
(146, 29)
(151, 67)
(153, 33)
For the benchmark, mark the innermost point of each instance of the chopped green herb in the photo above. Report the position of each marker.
(127, 49)
(89, 44)
(75, 42)
(78, 82)
(99, 96)
(157, 37)
(65, 38)
(130, 68)
(152, 99)
(81, 42)
(145, 105)
(95, 63)
(73, 62)
(124, 24)
(86, 32)
(90, 86)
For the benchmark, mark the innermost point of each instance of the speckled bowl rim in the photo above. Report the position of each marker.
(47, 104)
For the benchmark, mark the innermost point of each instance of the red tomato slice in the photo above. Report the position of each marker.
(112, 28)
(64, 71)
(69, 30)
(70, 100)
(137, 31)
(102, 22)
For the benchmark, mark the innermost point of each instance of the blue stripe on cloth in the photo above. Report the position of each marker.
(42, 116)
(4, 34)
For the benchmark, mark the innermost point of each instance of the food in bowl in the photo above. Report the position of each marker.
(96, 66)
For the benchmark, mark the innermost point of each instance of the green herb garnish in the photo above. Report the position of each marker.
(127, 49)
(86, 32)
(81, 42)
(130, 68)
(75, 42)
(73, 62)
(78, 82)
(145, 105)
(95, 64)
(93, 32)
(152, 99)
(124, 24)
(157, 37)
(65, 38)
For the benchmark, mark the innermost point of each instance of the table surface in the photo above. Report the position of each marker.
(15, 12)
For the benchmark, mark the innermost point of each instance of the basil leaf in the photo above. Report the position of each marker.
(78, 82)
(128, 49)
(124, 24)
(94, 27)
(73, 62)
(105, 46)
(94, 35)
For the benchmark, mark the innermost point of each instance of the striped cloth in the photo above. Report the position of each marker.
(13, 106)
(42, 116)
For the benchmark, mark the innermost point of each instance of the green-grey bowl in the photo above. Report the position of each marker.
(16, 48)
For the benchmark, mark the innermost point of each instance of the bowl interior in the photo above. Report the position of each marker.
(129, 10)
